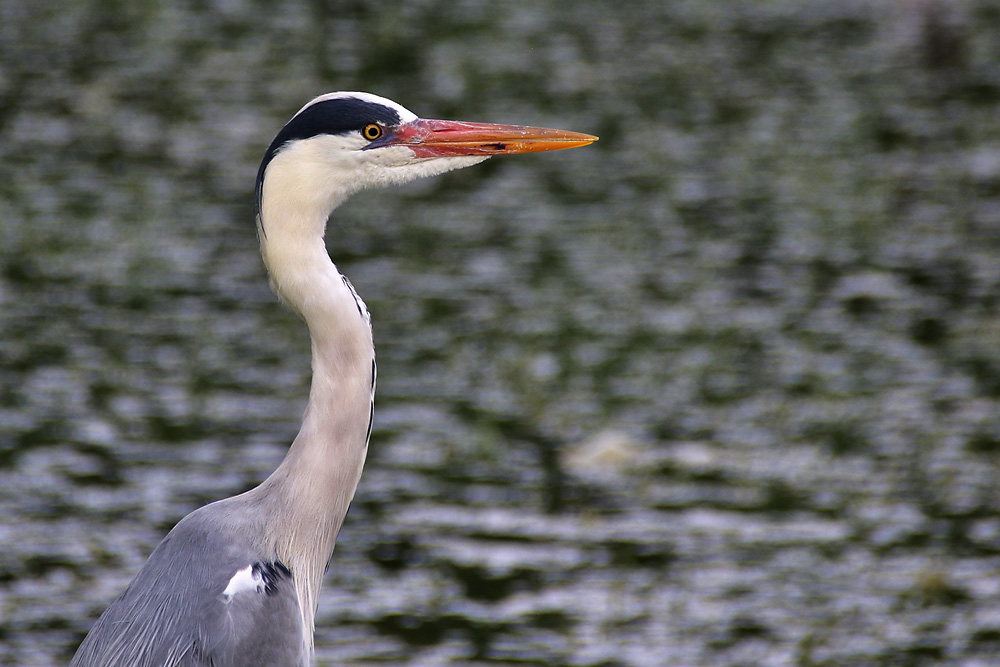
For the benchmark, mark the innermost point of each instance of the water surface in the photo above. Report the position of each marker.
(721, 389)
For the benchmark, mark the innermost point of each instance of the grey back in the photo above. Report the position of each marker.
(176, 613)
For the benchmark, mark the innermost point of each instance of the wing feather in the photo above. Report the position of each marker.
(175, 612)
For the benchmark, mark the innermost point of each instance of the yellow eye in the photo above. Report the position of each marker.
(371, 131)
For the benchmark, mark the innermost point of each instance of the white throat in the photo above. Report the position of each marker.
(313, 487)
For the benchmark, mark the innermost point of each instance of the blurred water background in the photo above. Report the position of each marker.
(721, 389)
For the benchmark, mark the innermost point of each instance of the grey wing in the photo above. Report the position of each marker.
(261, 623)
(201, 599)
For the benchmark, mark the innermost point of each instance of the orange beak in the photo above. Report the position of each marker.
(440, 138)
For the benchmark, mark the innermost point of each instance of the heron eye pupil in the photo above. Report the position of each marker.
(371, 131)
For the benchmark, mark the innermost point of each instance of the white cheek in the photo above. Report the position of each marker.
(390, 156)
(396, 165)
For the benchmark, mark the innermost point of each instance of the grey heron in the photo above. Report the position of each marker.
(236, 582)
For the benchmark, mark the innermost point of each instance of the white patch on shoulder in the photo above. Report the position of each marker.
(244, 581)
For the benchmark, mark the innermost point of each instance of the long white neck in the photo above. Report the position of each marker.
(306, 498)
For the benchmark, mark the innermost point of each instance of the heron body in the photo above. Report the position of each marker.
(236, 582)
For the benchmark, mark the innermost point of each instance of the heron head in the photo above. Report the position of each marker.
(340, 143)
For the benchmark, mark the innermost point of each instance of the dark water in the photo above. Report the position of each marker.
(722, 389)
